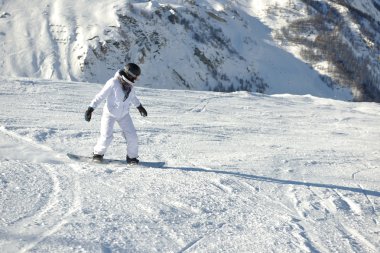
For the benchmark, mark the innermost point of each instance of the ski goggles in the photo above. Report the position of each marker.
(131, 74)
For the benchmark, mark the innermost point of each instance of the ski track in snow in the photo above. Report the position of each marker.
(310, 211)
(240, 174)
(60, 203)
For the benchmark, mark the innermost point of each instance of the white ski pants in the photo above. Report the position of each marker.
(106, 134)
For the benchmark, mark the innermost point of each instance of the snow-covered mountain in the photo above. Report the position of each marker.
(243, 173)
(180, 44)
(339, 38)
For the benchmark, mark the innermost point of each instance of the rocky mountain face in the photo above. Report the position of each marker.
(326, 48)
(187, 47)
(340, 38)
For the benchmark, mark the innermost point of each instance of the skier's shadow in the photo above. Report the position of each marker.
(277, 181)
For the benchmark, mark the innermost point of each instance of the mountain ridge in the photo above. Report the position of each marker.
(200, 45)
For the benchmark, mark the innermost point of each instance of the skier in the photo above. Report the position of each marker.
(119, 94)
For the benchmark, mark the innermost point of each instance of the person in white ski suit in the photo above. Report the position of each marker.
(119, 94)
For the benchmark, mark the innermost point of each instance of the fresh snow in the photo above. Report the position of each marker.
(243, 172)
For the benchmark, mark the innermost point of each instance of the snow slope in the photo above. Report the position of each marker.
(244, 173)
(338, 38)
(197, 45)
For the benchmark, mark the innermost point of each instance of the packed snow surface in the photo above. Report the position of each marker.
(243, 173)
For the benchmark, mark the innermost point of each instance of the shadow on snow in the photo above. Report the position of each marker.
(277, 181)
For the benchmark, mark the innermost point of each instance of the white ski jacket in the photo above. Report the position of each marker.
(116, 105)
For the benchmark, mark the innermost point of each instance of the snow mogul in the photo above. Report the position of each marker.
(119, 94)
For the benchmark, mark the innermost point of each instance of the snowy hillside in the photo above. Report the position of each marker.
(243, 173)
(339, 38)
(195, 45)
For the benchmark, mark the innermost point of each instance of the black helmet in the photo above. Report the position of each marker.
(132, 71)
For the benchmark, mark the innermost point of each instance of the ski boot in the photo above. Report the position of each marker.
(97, 158)
(132, 160)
